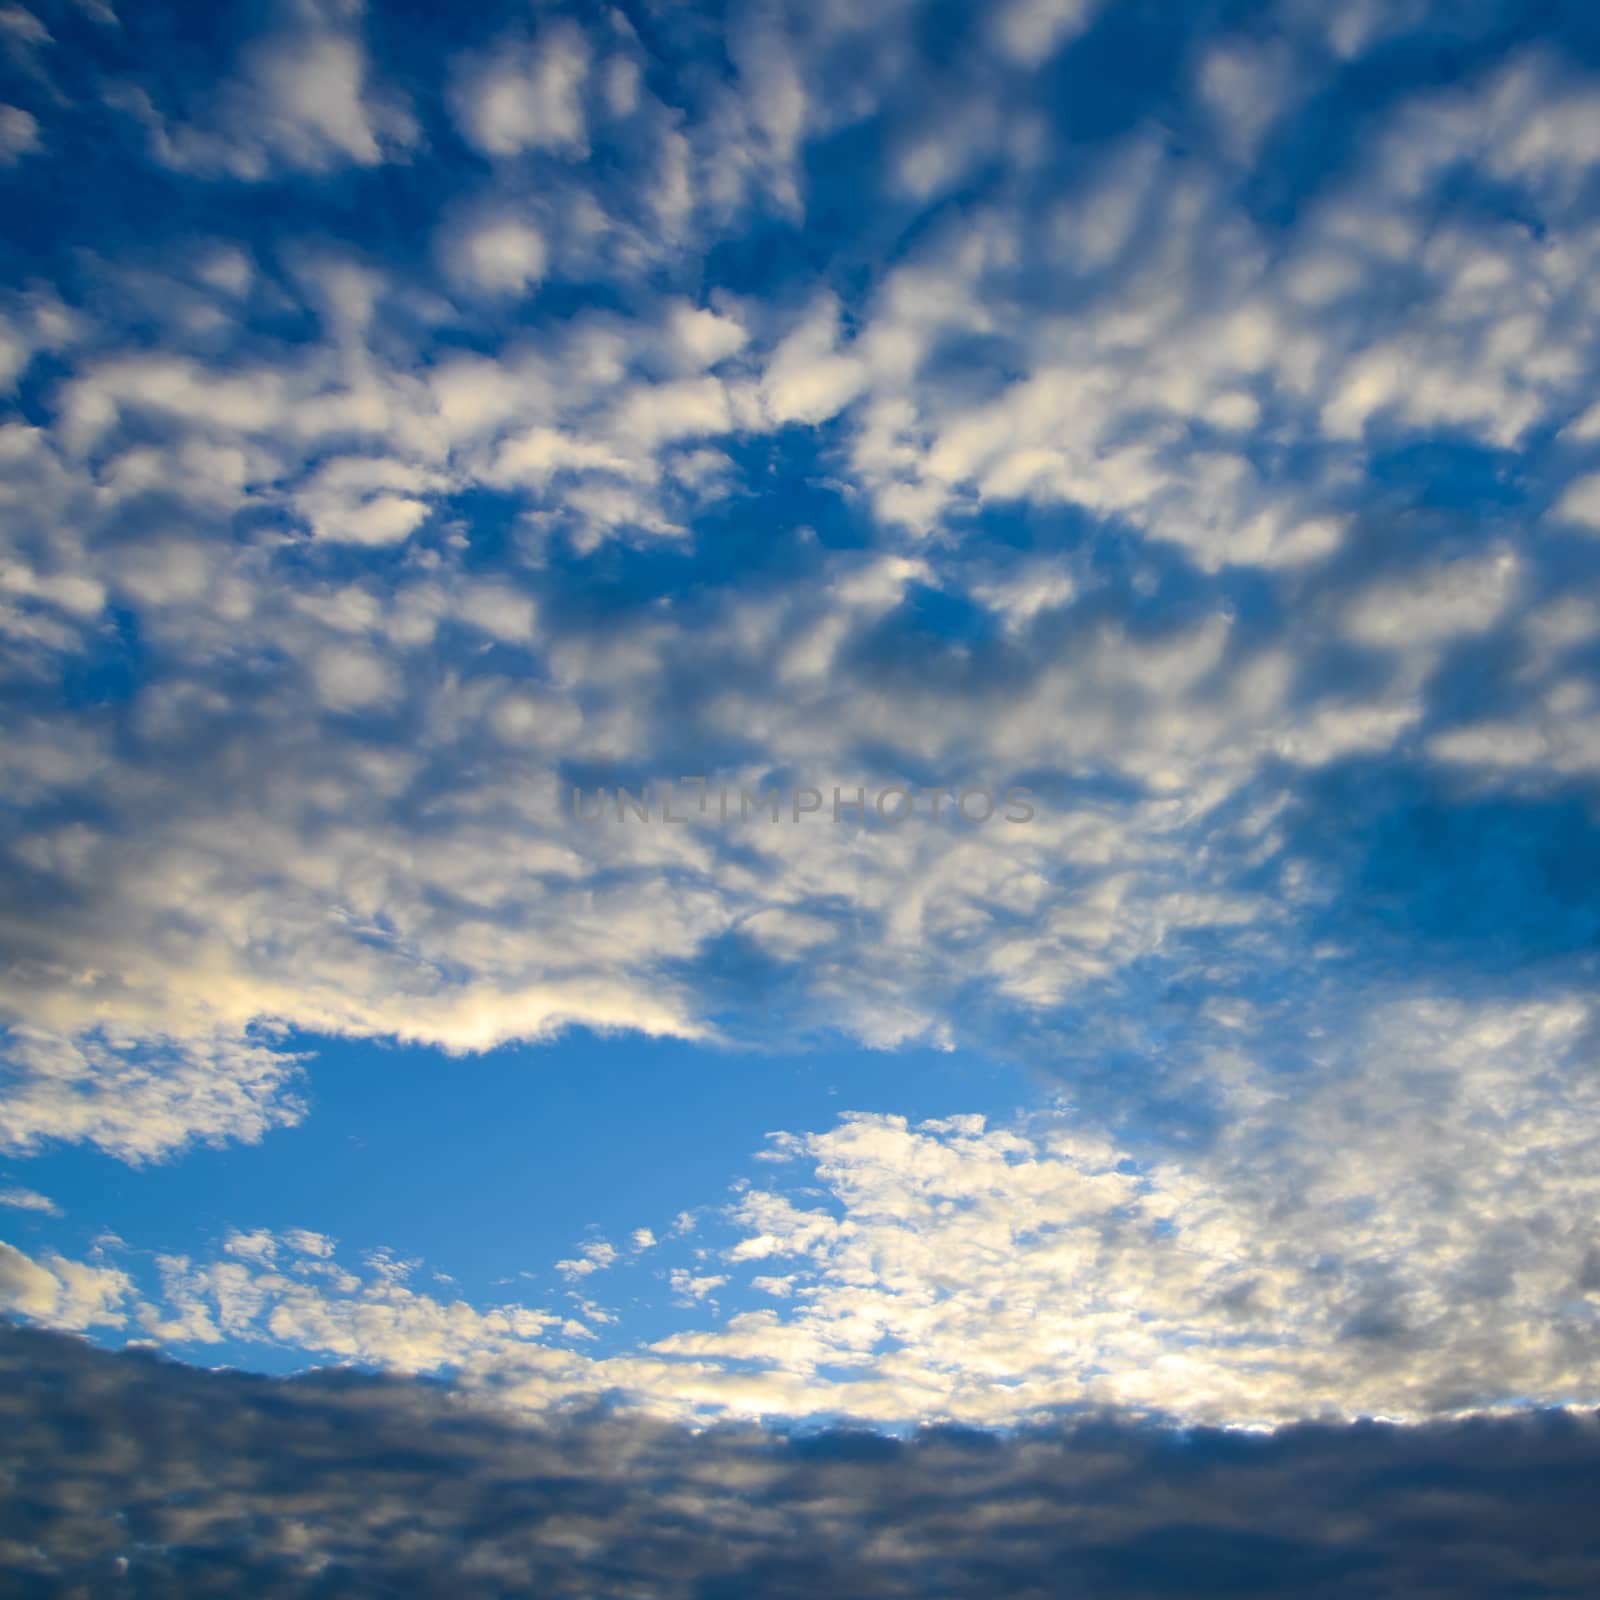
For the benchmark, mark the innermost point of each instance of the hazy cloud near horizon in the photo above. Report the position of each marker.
(131, 1476)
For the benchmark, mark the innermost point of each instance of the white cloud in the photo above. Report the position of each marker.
(62, 1293)
(143, 1099)
(982, 1272)
(1434, 605)
(689, 1286)
(377, 1320)
(1244, 89)
(497, 610)
(528, 97)
(22, 27)
(352, 678)
(259, 1246)
(504, 255)
(807, 380)
(1580, 502)
(19, 135)
(1548, 126)
(300, 99)
(1354, 27)
(1031, 31)
(596, 1256)
(366, 500)
(303, 1242)
(705, 337)
(29, 1200)
(174, 386)
(315, 87)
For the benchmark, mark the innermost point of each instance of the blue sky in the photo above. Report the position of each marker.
(1183, 412)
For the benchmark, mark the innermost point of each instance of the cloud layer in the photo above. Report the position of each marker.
(144, 1477)
(328, 576)
(442, 416)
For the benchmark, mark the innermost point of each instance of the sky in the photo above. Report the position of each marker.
(775, 722)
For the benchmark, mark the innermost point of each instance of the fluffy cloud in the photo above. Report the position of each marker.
(1311, 1260)
(301, 98)
(29, 1200)
(1030, 31)
(528, 97)
(143, 1097)
(19, 134)
(503, 256)
(61, 1293)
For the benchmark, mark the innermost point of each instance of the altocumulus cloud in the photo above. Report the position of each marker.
(1183, 411)
(328, 573)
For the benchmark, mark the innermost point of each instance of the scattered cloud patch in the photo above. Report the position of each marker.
(20, 1199)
